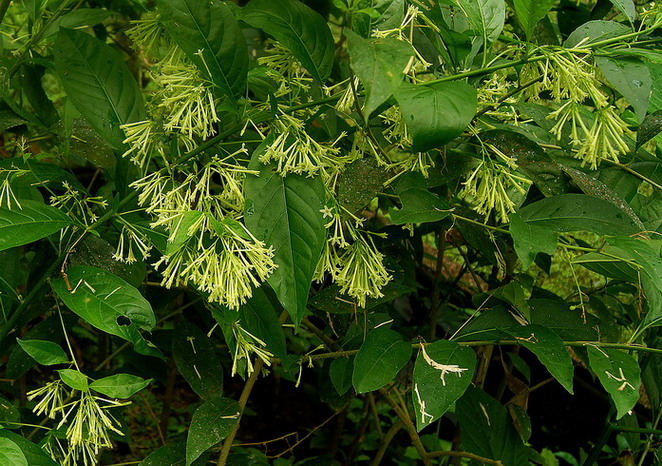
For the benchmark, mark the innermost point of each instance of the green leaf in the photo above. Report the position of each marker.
(73, 378)
(436, 114)
(99, 83)
(108, 303)
(649, 128)
(418, 204)
(530, 12)
(33, 221)
(550, 350)
(209, 27)
(574, 212)
(530, 239)
(179, 234)
(77, 18)
(379, 360)
(594, 187)
(196, 360)
(360, 182)
(631, 77)
(435, 390)
(557, 316)
(120, 385)
(9, 415)
(34, 454)
(259, 317)
(44, 352)
(340, 373)
(487, 430)
(284, 212)
(619, 375)
(595, 31)
(485, 17)
(645, 253)
(380, 65)
(11, 454)
(627, 8)
(298, 28)
(212, 422)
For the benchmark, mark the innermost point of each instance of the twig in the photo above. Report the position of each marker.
(395, 428)
(408, 425)
(314, 429)
(464, 454)
(243, 399)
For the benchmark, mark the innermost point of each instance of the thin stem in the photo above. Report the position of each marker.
(395, 428)
(243, 399)
(574, 344)
(464, 454)
(408, 425)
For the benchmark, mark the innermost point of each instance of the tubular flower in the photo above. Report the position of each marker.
(605, 138)
(147, 34)
(295, 151)
(186, 98)
(362, 273)
(53, 394)
(142, 138)
(488, 184)
(286, 70)
(248, 344)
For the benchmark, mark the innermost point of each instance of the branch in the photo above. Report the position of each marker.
(464, 454)
(408, 425)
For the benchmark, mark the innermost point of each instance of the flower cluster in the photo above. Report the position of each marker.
(489, 183)
(87, 418)
(79, 207)
(568, 76)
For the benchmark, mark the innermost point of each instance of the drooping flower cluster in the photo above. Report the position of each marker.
(571, 79)
(490, 184)
(87, 418)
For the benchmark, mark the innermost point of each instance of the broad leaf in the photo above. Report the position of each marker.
(486, 17)
(360, 182)
(436, 114)
(646, 254)
(196, 360)
(74, 378)
(379, 360)
(11, 454)
(530, 239)
(380, 65)
(631, 77)
(212, 422)
(284, 212)
(649, 128)
(550, 350)
(418, 204)
(44, 352)
(595, 31)
(108, 303)
(9, 416)
(626, 7)
(530, 12)
(209, 27)
(259, 317)
(487, 429)
(298, 28)
(441, 380)
(77, 18)
(619, 375)
(33, 221)
(120, 385)
(34, 454)
(340, 373)
(568, 324)
(99, 83)
(573, 212)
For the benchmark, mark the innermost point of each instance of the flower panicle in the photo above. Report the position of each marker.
(362, 272)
